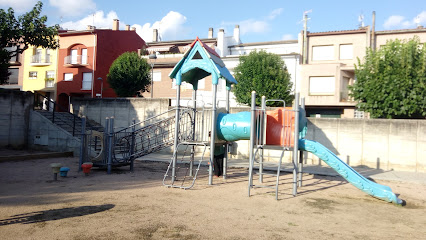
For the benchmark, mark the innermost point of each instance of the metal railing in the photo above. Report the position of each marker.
(119, 148)
(42, 102)
(76, 59)
(39, 59)
(153, 134)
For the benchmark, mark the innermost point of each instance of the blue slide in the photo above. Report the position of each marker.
(376, 190)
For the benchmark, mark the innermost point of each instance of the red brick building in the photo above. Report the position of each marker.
(85, 58)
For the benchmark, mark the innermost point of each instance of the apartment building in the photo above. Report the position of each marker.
(84, 59)
(40, 71)
(164, 55)
(16, 70)
(328, 67)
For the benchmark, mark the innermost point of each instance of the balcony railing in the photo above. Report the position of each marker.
(50, 83)
(76, 60)
(39, 60)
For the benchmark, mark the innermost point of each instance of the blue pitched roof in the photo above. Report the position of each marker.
(199, 62)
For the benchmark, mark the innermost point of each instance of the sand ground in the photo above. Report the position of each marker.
(135, 205)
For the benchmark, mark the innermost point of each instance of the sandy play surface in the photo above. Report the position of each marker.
(136, 205)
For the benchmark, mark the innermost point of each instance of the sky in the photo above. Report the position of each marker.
(259, 21)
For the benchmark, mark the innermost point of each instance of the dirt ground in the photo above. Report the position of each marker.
(136, 205)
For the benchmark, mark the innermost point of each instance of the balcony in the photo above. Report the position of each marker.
(50, 83)
(38, 60)
(345, 96)
(76, 61)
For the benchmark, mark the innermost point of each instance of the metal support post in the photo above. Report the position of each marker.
(194, 105)
(296, 142)
(225, 159)
(213, 132)
(252, 138)
(302, 103)
(132, 145)
(176, 142)
(83, 143)
(106, 142)
(260, 131)
(111, 142)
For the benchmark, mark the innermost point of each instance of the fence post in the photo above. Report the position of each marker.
(111, 134)
(82, 143)
(132, 145)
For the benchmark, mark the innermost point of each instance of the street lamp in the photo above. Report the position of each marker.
(153, 58)
(102, 84)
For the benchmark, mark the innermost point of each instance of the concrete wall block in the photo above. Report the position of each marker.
(375, 148)
(402, 143)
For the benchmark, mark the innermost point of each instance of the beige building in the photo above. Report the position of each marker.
(329, 63)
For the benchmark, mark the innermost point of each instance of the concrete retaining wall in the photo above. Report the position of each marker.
(375, 143)
(15, 109)
(122, 109)
(44, 135)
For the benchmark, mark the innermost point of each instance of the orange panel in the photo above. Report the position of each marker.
(280, 127)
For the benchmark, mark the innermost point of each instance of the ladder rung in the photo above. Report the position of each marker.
(263, 186)
(269, 174)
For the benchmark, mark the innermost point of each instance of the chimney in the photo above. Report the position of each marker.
(220, 49)
(89, 27)
(133, 28)
(237, 34)
(116, 25)
(127, 27)
(155, 35)
(210, 33)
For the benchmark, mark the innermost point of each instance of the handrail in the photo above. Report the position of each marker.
(151, 118)
(55, 106)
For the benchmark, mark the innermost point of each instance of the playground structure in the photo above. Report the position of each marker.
(281, 129)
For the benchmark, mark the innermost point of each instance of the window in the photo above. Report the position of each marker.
(157, 77)
(74, 56)
(32, 75)
(13, 49)
(183, 86)
(68, 76)
(50, 74)
(84, 56)
(14, 75)
(320, 53)
(321, 85)
(87, 81)
(47, 55)
(202, 83)
(346, 51)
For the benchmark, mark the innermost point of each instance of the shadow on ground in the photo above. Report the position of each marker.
(55, 214)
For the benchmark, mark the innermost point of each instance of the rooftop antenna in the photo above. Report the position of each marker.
(417, 21)
(361, 20)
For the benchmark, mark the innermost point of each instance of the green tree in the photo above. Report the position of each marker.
(28, 29)
(391, 82)
(265, 73)
(129, 74)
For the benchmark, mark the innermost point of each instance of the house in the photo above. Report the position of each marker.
(164, 55)
(40, 71)
(328, 67)
(84, 59)
(16, 71)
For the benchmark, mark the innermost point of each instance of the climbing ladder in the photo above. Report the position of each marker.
(259, 143)
(181, 173)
